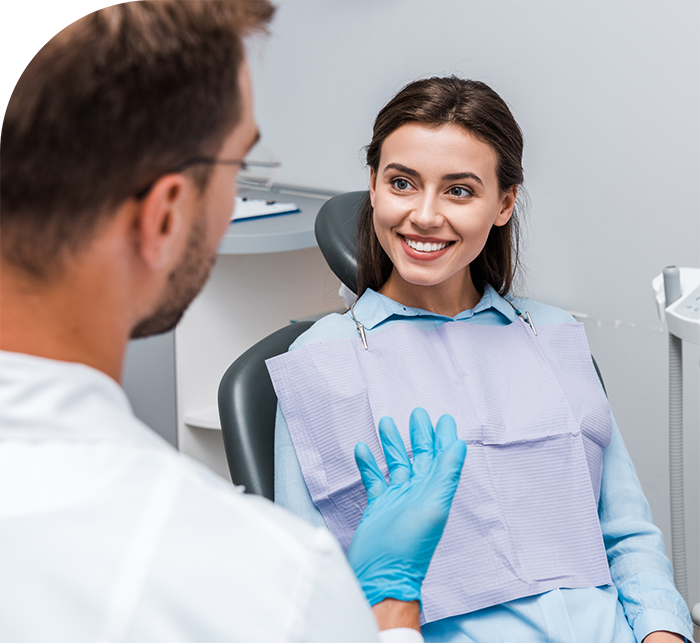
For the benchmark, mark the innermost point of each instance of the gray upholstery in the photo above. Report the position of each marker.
(335, 227)
(247, 405)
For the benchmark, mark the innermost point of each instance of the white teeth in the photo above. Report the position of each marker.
(425, 247)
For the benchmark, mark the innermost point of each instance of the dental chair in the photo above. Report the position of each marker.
(247, 408)
(247, 400)
(336, 224)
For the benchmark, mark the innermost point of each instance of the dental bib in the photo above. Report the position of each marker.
(524, 519)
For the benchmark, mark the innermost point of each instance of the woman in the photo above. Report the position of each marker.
(551, 538)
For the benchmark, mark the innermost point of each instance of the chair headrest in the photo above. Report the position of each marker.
(335, 229)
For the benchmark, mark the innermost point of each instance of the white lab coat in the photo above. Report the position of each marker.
(108, 534)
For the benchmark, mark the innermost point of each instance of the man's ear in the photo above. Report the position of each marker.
(160, 220)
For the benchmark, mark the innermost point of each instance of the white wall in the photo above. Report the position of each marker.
(608, 96)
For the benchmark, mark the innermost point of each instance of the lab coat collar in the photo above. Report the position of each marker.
(373, 309)
(46, 399)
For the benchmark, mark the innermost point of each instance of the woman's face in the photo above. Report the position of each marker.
(435, 197)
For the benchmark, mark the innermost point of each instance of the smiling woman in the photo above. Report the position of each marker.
(435, 198)
(550, 536)
(479, 124)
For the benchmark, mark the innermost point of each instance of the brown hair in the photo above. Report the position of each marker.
(474, 106)
(116, 99)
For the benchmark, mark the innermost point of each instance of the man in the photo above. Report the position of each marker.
(119, 154)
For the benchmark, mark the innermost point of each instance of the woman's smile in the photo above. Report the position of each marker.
(425, 249)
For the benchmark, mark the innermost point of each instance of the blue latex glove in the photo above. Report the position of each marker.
(404, 520)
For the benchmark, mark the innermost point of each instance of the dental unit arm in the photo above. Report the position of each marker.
(677, 292)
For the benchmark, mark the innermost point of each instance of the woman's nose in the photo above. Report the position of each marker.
(426, 212)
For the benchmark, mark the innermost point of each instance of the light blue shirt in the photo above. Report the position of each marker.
(643, 598)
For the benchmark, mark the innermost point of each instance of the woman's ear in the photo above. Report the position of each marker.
(507, 205)
(372, 185)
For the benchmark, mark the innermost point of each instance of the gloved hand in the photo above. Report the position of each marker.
(404, 520)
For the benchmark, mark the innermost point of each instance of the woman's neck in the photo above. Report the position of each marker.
(448, 298)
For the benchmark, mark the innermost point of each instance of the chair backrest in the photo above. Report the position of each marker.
(247, 401)
(247, 406)
(336, 224)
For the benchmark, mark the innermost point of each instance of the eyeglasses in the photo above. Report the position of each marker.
(206, 160)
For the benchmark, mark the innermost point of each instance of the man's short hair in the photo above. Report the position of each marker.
(116, 99)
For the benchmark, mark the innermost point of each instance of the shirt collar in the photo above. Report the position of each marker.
(373, 309)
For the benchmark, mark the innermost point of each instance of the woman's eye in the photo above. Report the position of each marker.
(401, 184)
(459, 191)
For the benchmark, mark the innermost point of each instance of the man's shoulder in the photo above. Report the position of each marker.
(222, 509)
(229, 555)
(198, 552)
(239, 543)
(203, 486)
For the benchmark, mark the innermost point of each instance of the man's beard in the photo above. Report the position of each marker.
(184, 284)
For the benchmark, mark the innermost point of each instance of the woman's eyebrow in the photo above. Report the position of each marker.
(401, 168)
(462, 175)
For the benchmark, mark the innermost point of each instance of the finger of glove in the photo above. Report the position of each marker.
(422, 441)
(394, 451)
(445, 433)
(372, 477)
(448, 470)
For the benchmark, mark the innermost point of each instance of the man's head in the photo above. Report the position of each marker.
(115, 101)
(108, 228)
(210, 212)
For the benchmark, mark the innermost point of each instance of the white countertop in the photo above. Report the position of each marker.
(276, 233)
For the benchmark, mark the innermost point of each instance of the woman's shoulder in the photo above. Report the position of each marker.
(332, 326)
(543, 313)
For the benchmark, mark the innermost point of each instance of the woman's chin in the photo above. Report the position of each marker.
(419, 279)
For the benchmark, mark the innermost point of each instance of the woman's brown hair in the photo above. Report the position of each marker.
(474, 106)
